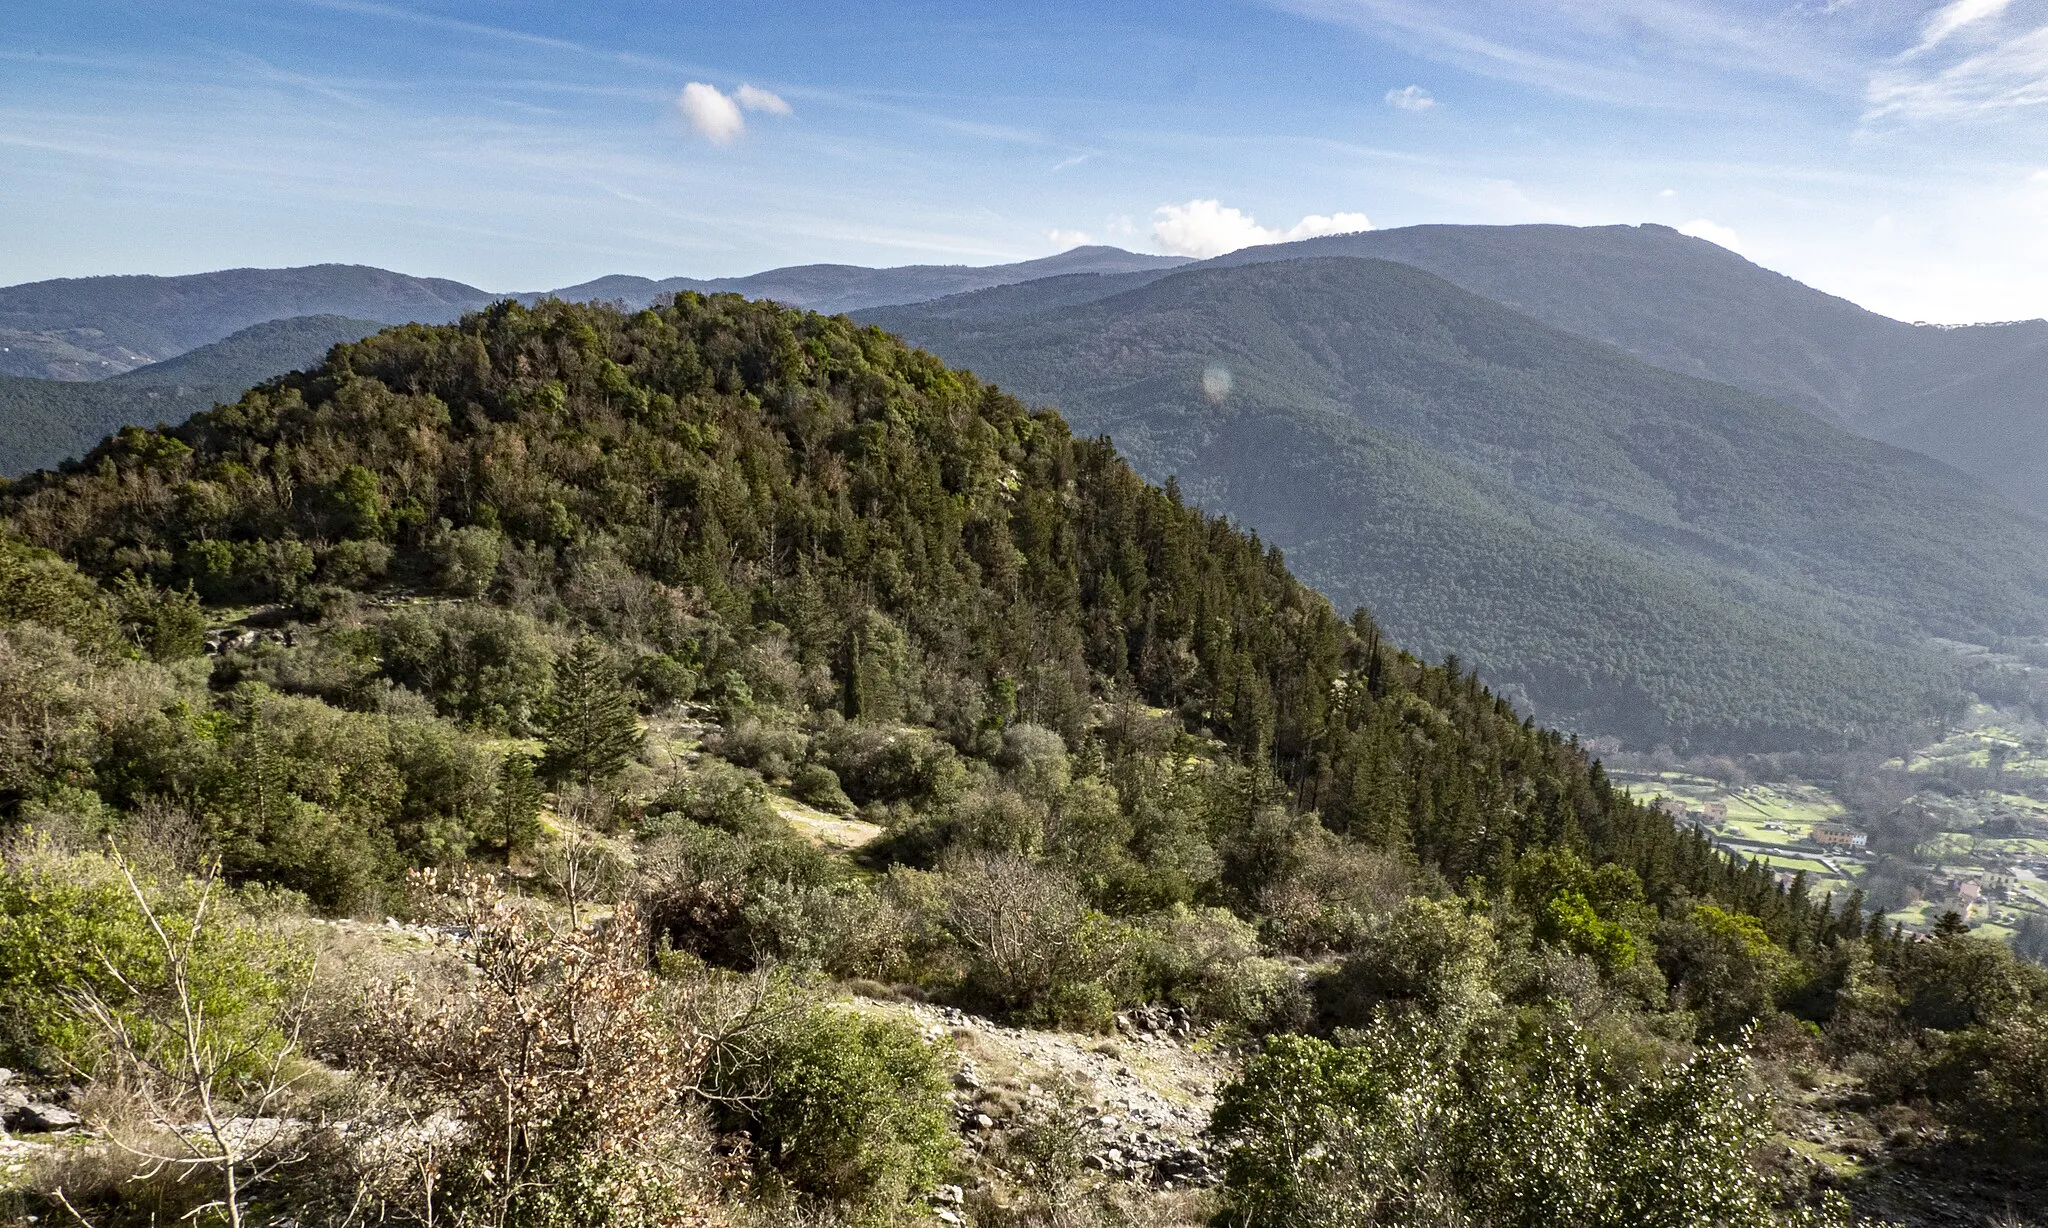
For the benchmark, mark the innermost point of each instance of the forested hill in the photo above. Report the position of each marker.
(1645, 553)
(797, 511)
(1971, 396)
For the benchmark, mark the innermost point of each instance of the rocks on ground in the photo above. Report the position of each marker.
(1144, 1098)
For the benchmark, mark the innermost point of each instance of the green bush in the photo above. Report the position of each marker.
(1407, 1127)
(817, 785)
(717, 794)
(892, 763)
(1430, 961)
(1030, 946)
(1209, 961)
(851, 1109)
(467, 559)
(486, 666)
(70, 923)
(771, 749)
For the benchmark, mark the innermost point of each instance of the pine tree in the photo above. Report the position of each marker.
(590, 730)
(515, 815)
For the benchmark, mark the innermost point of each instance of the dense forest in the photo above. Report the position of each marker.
(1643, 554)
(542, 626)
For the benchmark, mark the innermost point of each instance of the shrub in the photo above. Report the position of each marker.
(1030, 946)
(1428, 960)
(70, 925)
(701, 889)
(772, 750)
(466, 559)
(817, 785)
(2012, 1089)
(1404, 1127)
(167, 624)
(663, 681)
(892, 763)
(717, 794)
(1208, 961)
(561, 1068)
(487, 666)
(1722, 965)
(851, 1109)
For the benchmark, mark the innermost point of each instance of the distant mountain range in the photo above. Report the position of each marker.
(1618, 468)
(1975, 396)
(89, 328)
(833, 288)
(1641, 552)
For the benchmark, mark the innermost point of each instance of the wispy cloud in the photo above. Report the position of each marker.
(1974, 61)
(1688, 54)
(1411, 98)
(1210, 228)
(1956, 15)
(756, 99)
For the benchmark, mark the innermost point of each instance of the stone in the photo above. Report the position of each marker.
(32, 1117)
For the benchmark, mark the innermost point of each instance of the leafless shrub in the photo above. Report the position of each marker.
(551, 1088)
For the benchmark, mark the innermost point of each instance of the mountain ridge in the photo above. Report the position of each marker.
(89, 328)
(1695, 483)
(1974, 396)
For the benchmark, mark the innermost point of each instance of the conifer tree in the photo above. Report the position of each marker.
(590, 730)
(515, 815)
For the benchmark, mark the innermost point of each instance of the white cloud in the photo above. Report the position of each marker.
(1411, 98)
(1063, 239)
(755, 99)
(1955, 16)
(1712, 232)
(1667, 194)
(1210, 228)
(715, 117)
(1990, 76)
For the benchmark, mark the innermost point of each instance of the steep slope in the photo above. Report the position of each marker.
(253, 355)
(843, 287)
(1968, 396)
(128, 322)
(1662, 505)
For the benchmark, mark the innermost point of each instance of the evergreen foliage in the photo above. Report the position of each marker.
(590, 731)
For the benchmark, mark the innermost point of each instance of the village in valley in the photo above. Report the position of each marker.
(1958, 826)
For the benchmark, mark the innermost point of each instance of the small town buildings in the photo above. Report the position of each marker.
(1836, 836)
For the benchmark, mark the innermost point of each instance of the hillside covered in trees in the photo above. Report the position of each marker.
(1642, 553)
(593, 607)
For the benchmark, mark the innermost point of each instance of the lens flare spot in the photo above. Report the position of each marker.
(1216, 382)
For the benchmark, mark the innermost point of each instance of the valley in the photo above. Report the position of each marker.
(1959, 824)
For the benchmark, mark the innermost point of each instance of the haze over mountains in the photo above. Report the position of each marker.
(1680, 535)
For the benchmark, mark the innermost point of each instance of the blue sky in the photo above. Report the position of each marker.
(1894, 152)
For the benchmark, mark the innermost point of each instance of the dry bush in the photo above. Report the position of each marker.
(550, 1088)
